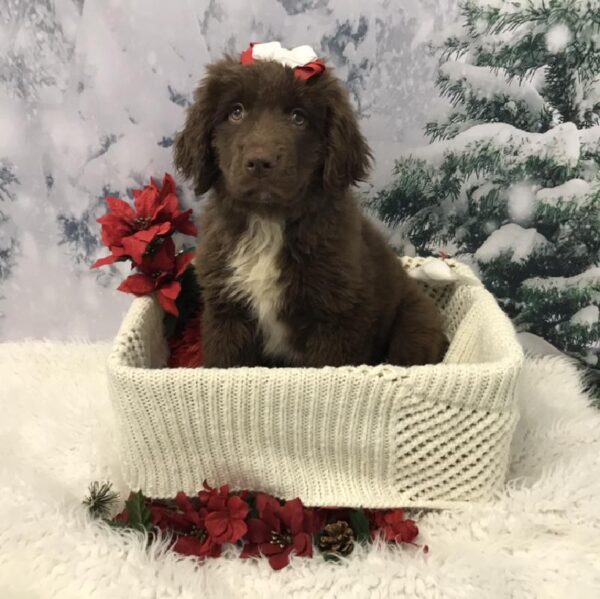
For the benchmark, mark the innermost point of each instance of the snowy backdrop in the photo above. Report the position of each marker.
(92, 92)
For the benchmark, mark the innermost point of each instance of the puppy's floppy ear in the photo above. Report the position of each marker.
(194, 156)
(347, 155)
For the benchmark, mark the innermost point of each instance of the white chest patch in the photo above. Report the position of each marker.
(257, 279)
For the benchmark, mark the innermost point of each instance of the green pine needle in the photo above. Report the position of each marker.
(101, 499)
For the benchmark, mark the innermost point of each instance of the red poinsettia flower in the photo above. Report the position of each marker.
(169, 208)
(160, 273)
(216, 498)
(197, 546)
(393, 527)
(128, 232)
(190, 525)
(228, 525)
(279, 531)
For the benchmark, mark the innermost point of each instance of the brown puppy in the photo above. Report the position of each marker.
(292, 273)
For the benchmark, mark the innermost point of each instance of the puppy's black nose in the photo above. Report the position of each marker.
(260, 162)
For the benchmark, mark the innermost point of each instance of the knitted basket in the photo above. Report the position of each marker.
(377, 437)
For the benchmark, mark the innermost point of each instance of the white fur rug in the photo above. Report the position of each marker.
(541, 538)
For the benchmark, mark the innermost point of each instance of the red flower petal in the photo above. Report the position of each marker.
(292, 515)
(106, 260)
(280, 560)
(167, 304)
(394, 517)
(214, 549)
(147, 202)
(265, 502)
(237, 507)
(217, 526)
(168, 185)
(227, 524)
(183, 502)
(169, 520)
(302, 544)
(121, 209)
(114, 228)
(162, 260)
(182, 262)
(238, 529)
(408, 532)
(219, 495)
(188, 545)
(224, 529)
(217, 503)
(168, 208)
(135, 247)
(269, 549)
(137, 284)
(183, 223)
(163, 228)
(171, 290)
(258, 531)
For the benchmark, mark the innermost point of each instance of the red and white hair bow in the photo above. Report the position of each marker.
(302, 59)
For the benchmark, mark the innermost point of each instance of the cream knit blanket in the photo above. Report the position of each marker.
(427, 436)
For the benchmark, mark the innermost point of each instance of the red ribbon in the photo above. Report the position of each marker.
(303, 73)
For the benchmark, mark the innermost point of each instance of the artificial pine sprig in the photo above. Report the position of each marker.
(100, 499)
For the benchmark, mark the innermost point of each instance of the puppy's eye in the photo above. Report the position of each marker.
(237, 113)
(298, 117)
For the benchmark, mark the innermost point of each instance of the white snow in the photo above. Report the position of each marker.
(590, 137)
(513, 239)
(589, 277)
(574, 190)
(486, 83)
(587, 316)
(560, 144)
(558, 38)
(521, 202)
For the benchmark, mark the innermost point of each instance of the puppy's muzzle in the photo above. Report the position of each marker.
(260, 161)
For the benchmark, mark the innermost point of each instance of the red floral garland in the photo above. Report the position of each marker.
(200, 525)
(260, 523)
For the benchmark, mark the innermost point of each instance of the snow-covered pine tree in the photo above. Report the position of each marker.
(511, 179)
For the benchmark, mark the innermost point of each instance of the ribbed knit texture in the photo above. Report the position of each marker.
(383, 436)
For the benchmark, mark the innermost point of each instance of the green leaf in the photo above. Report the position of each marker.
(138, 512)
(360, 525)
(118, 525)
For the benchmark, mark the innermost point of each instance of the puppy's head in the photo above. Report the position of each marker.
(268, 137)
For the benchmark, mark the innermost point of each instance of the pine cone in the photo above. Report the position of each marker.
(337, 537)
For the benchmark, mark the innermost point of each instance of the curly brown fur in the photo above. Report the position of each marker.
(292, 272)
